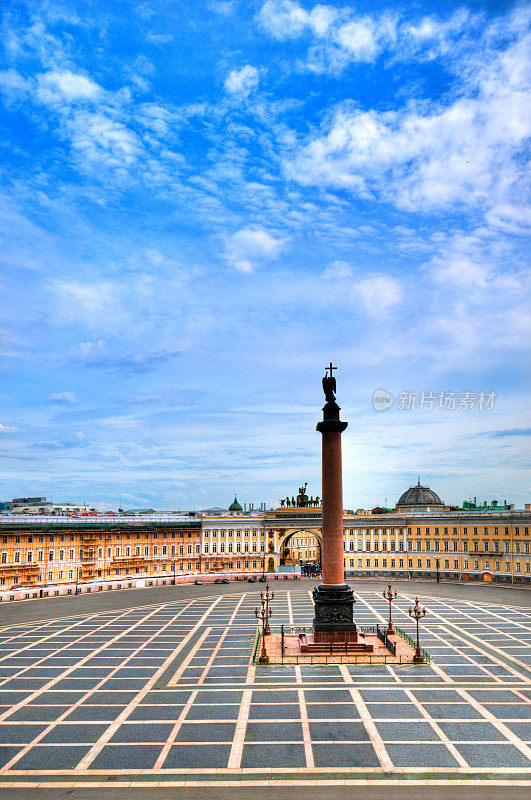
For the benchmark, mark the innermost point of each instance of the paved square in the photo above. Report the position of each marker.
(170, 692)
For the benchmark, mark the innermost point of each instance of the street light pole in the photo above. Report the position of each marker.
(437, 567)
(263, 615)
(389, 596)
(417, 613)
(173, 568)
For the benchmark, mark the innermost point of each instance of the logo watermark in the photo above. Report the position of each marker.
(382, 400)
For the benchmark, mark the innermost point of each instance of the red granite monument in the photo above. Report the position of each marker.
(333, 599)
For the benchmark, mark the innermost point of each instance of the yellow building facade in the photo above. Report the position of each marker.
(35, 553)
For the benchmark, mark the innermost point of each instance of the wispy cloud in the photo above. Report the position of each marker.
(63, 397)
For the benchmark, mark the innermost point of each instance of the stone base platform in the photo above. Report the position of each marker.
(301, 649)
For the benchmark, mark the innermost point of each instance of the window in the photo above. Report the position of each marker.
(506, 547)
(465, 563)
(419, 545)
(496, 566)
(486, 545)
(419, 563)
(30, 556)
(456, 563)
(17, 556)
(465, 546)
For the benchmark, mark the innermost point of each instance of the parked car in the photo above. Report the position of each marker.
(262, 580)
(225, 580)
(218, 580)
(198, 582)
(251, 580)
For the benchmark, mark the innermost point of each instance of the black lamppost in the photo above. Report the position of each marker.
(437, 567)
(263, 565)
(78, 572)
(173, 568)
(417, 613)
(263, 615)
(389, 596)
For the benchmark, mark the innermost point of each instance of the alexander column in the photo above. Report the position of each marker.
(333, 598)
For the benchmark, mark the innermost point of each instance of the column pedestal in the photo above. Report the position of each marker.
(333, 620)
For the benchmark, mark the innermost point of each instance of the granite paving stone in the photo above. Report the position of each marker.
(344, 755)
(131, 756)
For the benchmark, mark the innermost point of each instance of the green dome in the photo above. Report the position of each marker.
(235, 506)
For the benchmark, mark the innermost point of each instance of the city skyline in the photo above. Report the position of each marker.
(199, 209)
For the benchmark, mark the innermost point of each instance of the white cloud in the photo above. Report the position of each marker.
(13, 86)
(337, 270)
(359, 39)
(283, 19)
(96, 304)
(339, 38)
(66, 86)
(63, 397)
(87, 348)
(242, 81)
(100, 140)
(7, 428)
(249, 245)
(426, 155)
(379, 293)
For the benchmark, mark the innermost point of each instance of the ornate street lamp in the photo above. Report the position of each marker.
(389, 596)
(263, 615)
(417, 613)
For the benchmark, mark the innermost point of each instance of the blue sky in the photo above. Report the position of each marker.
(203, 203)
